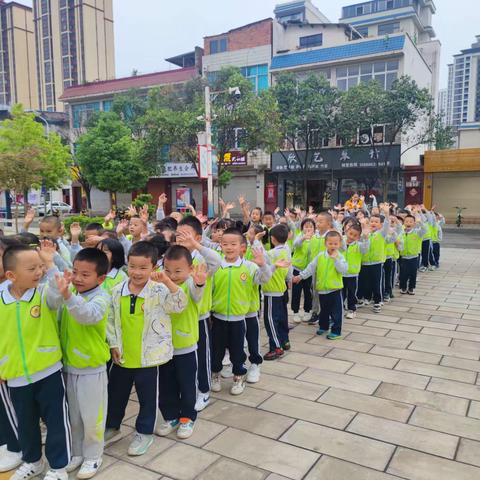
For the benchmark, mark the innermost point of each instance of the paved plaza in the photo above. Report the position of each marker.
(398, 397)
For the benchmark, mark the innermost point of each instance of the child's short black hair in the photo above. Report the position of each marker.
(355, 226)
(268, 212)
(29, 239)
(224, 224)
(232, 231)
(160, 243)
(95, 256)
(177, 252)
(332, 234)
(305, 221)
(95, 226)
(168, 223)
(410, 216)
(144, 249)
(6, 242)
(376, 216)
(10, 255)
(192, 222)
(116, 249)
(259, 209)
(400, 219)
(52, 219)
(327, 216)
(279, 233)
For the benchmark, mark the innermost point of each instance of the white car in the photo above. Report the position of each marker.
(53, 207)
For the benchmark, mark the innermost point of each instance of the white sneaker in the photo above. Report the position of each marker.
(226, 359)
(185, 429)
(253, 375)
(56, 475)
(203, 399)
(89, 468)
(422, 269)
(238, 385)
(216, 382)
(350, 314)
(9, 460)
(75, 463)
(307, 317)
(227, 371)
(167, 427)
(29, 470)
(140, 444)
(297, 318)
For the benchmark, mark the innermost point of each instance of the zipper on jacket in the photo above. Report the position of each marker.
(228, 291)
(22, 345)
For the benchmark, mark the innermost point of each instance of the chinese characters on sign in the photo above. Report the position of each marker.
(337, 159)
(178, 170)
(234, 159)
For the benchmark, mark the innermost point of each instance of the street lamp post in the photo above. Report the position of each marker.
(208, 134)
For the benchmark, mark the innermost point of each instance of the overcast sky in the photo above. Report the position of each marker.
(148, 31)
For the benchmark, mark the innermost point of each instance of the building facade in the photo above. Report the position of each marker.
(82, 101)
(441, 105)
(377, 40)
(249, 48)
(18, 77)
(463, 102)
(74, 45)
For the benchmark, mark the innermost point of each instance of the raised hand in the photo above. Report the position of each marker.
(75, 231)
(221, 204)
(162, 200)
(251, 234)
(241, 200)
(159, 277)
(63, 284)
(144, 213)
(108, 217)
(122, 227)
(187, 240)
(229, 206)
(275, 212)
(93, 241)
(282, 263)
(258, 256)
(199, 274)
(131, 211)
(47, 252)
(30, 216)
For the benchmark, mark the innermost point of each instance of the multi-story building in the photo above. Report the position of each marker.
(82, 101)
(74, 45)
(441, 106)
(18, 77)
(249, 48)
(380, 40)
(463, 104)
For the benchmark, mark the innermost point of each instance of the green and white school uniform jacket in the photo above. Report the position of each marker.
(412, 241)
(233, 286)
(185, 330)
(353, 253)
(113, 278)
(277, 286)
(377, 251)
(29, 344)
(83, 332)
(304, 251)
(150, 332)
(327, 272)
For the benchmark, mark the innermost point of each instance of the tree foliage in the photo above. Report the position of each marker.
(308, 111)
(40, 159)
(107, 156)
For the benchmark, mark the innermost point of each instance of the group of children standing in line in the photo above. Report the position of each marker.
(165, 307)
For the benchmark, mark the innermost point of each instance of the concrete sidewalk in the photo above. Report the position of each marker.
(398, 397)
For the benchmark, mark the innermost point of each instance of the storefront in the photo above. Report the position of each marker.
(333, 175)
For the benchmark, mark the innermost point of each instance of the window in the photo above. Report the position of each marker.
(83, 112)
(363, 31)
(107, 105)
(388, 28)
(218, 46)
(258, 76)
(45, 25)
(45, 6)
(46, 49)
(311, 41)
(49, 94)
(293, 18)
(384, 73)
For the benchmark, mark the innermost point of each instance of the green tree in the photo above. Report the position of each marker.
(405, 110)
(29, 158)
(308, 114)
(108, 157)
(443, 136)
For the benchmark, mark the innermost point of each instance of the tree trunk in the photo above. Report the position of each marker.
(16, 217)
(113, 200)
(385, 182)
(305, 190)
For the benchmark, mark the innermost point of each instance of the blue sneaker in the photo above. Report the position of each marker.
(321, 332)
(334, 336)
